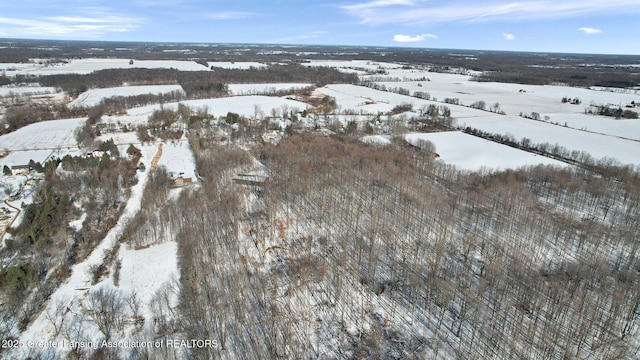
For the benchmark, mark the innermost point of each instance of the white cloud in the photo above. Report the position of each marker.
(94, 23)
(590, 31)
(508, 36)
(231, 15)
(296, 38)
(377, 4)
(416, 38)
(425, 12)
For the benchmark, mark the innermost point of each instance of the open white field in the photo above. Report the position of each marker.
(121, 138)
(248, 106)
(86, 66)
(364, 100)
(22, 157)
(95, 96)
(242, 65)
(468, 152)
(357, 65)
(145, 272)
(513, 98)
(178, 158)
(605, 141)
(261, 89)
(43, 135)
(597, 145)
(626, 128)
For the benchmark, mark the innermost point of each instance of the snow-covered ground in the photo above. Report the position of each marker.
(121, 138)
(95, 96)
(626, 128)
(178, 158)
(603, 141)
(353, 64)
(53, 134)
(472, 153)
(598, 145)
(262, 89)
(363, 100)
(145, 271)
(86, 66)
(22, 157)
(243, 65)
(249, 106)
(513, 98)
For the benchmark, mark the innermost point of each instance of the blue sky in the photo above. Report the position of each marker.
(583, 26)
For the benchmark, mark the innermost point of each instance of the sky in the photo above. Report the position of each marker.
(568, 26)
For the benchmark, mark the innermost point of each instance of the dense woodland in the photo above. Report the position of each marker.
(357, 251)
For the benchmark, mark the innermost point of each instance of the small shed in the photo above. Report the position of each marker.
(182, 181)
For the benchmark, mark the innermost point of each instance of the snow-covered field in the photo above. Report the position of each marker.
(472, 153)
(145, 271)
(353, 64)
(243, 65)
(626, 128)
(95, 96)
(249, 106)
(178, 158)
(22, 157)
(513, 98)
(363, 100)
(52, 134)
(598, 145)
(262, 89)
(602, 141)
(86, 66)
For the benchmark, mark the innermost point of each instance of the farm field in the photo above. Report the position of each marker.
(241, 65)
(93, 97)
(46, 135)
(86, 66)
(603, 142)
(243, 105)
(597, 145)
(468, 152)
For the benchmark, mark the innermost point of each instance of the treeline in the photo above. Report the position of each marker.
(615, 112)
(197, 84)
(19, 116)
(558, 152)
(568, 75)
